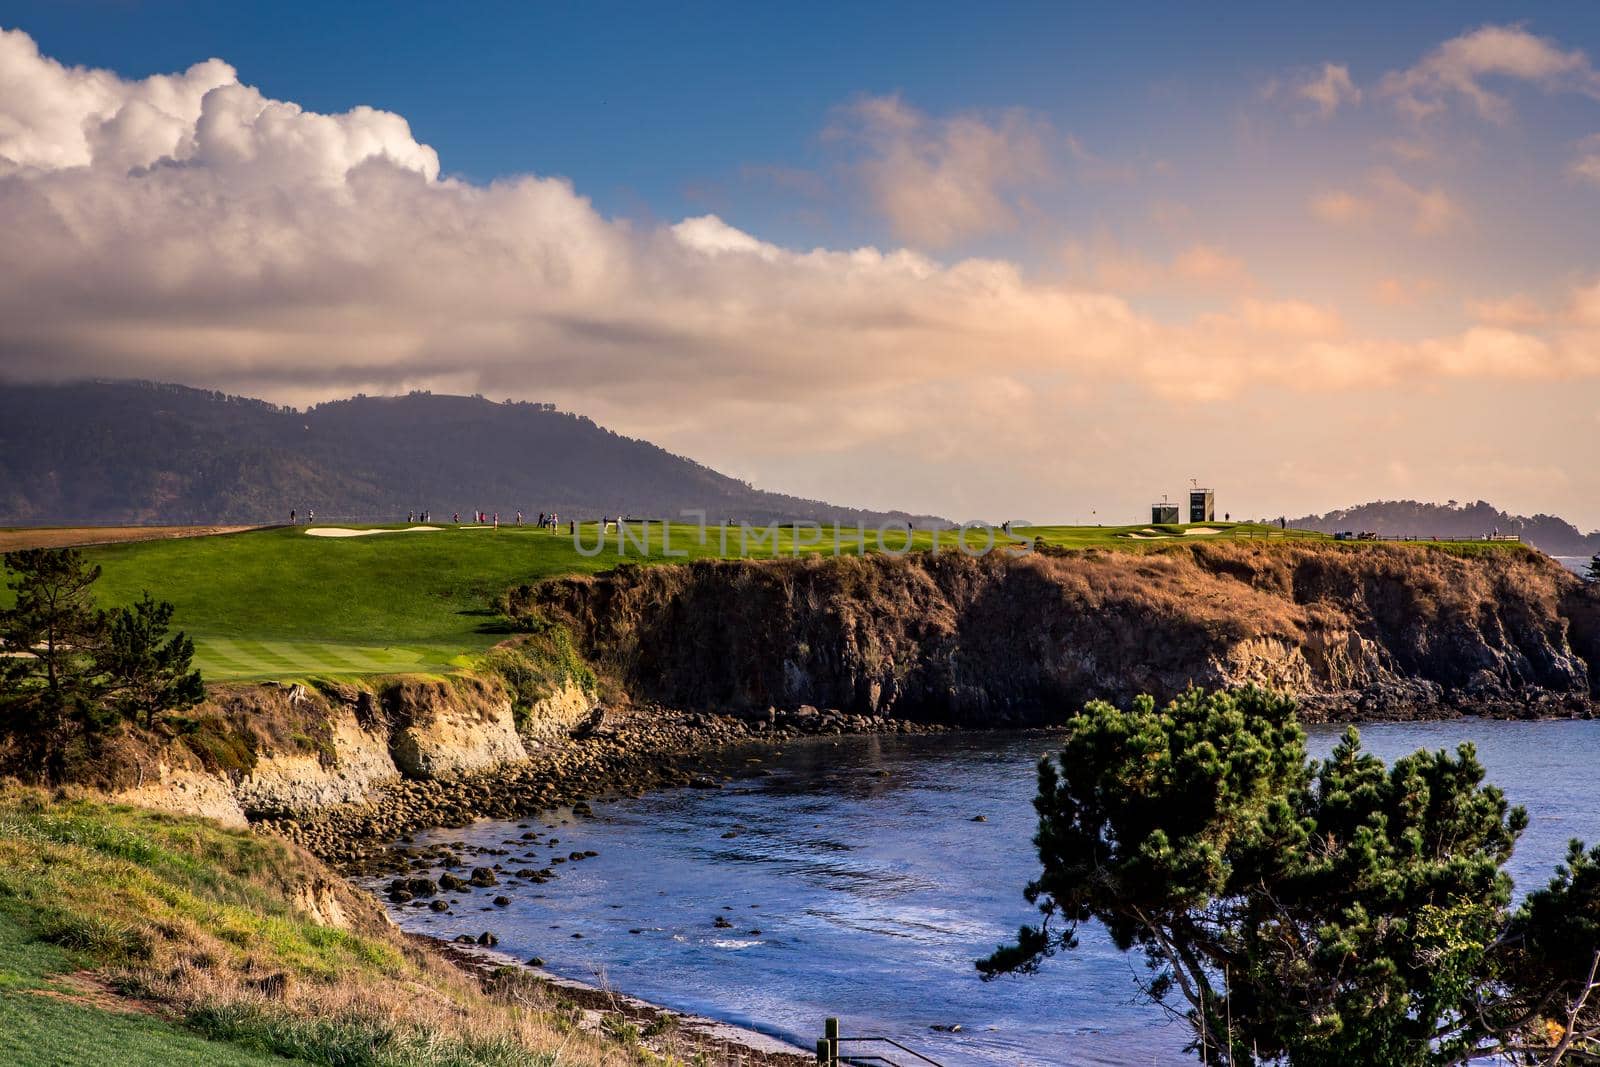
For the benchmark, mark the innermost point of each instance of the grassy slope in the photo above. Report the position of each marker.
(105, 909)
(279, 603)
(45, 1018)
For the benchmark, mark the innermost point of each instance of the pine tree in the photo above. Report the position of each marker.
(49, 635)
(145, 672)
(1324, 913)
(49, 695)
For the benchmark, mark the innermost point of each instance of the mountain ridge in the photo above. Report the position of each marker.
(150, 452)
(1549, 533)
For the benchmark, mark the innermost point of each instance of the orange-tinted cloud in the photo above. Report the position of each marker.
(193, 229)
(1462, 66)
(1429, 211)
(940, 180)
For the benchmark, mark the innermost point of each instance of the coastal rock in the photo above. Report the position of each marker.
(186, 791)
(447, 729)
(550, 719)
(1351, 629)
(350, 763)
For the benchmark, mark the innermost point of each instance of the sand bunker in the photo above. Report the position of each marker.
(340, 531)
(1149, 534)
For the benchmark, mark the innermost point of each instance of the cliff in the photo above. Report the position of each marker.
(273, 750)
(1353, 630)
(877, 643)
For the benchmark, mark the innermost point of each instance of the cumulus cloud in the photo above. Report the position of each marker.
(1329, 88)
(940, 180)
(188, 228)
(1462, 67)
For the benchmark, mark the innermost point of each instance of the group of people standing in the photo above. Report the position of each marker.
(482, 518)
(492, 518)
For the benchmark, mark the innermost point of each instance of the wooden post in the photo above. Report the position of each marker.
(830, 1036)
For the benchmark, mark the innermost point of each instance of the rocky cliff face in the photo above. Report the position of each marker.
(1367, 631)
(291, 750)
(1355, 631)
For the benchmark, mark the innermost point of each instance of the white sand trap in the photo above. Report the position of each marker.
(341, 531)
(1200, 531)
(1147, 536)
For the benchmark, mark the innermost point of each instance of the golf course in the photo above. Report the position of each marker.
(328, 601)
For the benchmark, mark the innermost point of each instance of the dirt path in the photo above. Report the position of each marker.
(14, 538)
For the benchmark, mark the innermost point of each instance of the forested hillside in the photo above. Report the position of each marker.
(1452, 520)
(136, 452)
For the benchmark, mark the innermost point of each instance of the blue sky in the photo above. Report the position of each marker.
(1336, 226)
(642, 105)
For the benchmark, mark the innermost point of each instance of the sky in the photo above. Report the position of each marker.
(1042, 262)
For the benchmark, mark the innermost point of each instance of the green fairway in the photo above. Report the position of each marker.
(282, 602)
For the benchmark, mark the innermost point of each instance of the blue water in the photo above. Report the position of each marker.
(873, 892)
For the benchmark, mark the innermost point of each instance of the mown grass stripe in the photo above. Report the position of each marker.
(219, 655)
(273, 652)
(330, 658)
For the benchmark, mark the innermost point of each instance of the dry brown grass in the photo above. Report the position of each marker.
(73, 536)
(247, 938)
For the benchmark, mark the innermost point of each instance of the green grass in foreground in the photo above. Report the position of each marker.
(45, 1019)
(283, 604)
(129, 936)
(38, 1030)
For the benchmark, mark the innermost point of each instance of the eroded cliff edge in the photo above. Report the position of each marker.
(1353, 630)
(690, 658)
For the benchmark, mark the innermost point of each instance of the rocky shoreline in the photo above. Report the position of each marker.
(628, 753)
(637, 750)
(624, 752)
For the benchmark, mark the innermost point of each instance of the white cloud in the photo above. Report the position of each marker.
(1462, 65)
(190, 229)
(1329, 89)
(707, 233)
(941, 180)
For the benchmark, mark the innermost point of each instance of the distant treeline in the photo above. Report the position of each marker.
(141, 452)
(1453, 520)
